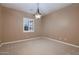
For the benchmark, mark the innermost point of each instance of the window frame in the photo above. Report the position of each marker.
(24, 25)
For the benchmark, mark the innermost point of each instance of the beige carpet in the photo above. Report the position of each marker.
(38, 47)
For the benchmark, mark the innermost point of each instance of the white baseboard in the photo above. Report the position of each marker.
(17, 41)
(69, 44)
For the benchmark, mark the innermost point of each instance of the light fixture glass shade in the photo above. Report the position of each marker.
(38, 16)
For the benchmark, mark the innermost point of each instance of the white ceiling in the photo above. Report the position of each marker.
(45, 8)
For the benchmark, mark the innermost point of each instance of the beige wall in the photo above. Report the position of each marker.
(0, 24)
(63, 24)
(13, 25)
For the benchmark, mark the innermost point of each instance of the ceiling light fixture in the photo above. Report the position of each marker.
(38, 14)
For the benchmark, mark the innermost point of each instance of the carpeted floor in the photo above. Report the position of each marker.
(38, 47)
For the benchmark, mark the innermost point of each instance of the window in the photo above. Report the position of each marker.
(28, 25)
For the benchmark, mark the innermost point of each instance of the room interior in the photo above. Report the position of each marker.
(55, 33)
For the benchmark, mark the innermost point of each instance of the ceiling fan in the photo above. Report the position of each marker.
(38, 15)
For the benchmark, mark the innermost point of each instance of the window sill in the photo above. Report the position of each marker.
(27, 31)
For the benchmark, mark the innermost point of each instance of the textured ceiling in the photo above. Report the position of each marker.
(45, 8)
